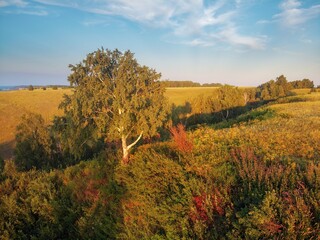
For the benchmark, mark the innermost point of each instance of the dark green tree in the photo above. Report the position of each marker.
(123, 99)
(34, 146)
(274, 89)
(230, 97)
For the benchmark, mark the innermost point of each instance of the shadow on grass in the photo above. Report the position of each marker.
(221, 119)
(7, 149)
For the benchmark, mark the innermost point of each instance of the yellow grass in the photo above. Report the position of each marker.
(179, 96)
(13, 104)
(301, 91)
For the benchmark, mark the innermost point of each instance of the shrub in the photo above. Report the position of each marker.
(180, 138)
(158, 197)
(34, 148)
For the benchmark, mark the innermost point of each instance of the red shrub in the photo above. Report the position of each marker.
(180, 138)
(207, 206)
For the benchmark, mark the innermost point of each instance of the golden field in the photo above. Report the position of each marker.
(13, 104)
(179, 96)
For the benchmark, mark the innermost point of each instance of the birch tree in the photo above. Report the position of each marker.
(122, 98)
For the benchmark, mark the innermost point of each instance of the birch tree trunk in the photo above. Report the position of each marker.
(126, 148)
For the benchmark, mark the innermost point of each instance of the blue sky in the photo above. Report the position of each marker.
(239, 42)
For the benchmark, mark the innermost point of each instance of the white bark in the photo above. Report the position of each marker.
(126, 149)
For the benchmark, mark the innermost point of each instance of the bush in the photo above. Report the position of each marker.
(34, 148)
(30, 88)
(158, 197)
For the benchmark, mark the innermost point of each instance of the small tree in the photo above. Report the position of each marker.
(123, 99)
(30, 88)
(34, 144)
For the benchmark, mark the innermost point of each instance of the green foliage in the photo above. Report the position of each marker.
(305, 83)
(168, 83)
(76, 143)
(274, 89)
(95, 197)
(83, 202)
(117, 96)
(27, 205)
(35, 146)
(225, 103)
(158, 199)
(30, 88)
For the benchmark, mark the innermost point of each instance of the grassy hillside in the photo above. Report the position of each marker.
(13, 104)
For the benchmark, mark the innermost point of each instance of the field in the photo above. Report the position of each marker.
(13, 104)
(179, 96)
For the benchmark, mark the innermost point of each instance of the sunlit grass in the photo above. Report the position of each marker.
(179, 96)
(300, 91)
(13, 104)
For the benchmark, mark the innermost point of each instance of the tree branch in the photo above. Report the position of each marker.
(135, 142)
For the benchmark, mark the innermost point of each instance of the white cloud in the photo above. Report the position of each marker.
(17, 3)
(290, 4)
(293, 14)
(22, 7)
(32, 12)
(233, 37)
(200, 42)
(189, 19)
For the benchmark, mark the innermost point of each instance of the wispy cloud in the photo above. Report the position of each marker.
(231, 35)
(206, 23)
(22, 7)
(17, 3)
(293, 14)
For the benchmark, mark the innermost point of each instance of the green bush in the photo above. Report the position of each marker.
(34, 148)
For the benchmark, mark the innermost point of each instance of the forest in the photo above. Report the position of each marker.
(121, 162)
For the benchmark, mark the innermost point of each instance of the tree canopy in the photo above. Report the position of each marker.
(123, 99)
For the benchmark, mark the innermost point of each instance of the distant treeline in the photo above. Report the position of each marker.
(44, 87)
(305, 83)
(298, 84)
(281, 87)
(168, 83)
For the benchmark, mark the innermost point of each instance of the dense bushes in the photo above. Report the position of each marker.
(80, 203)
